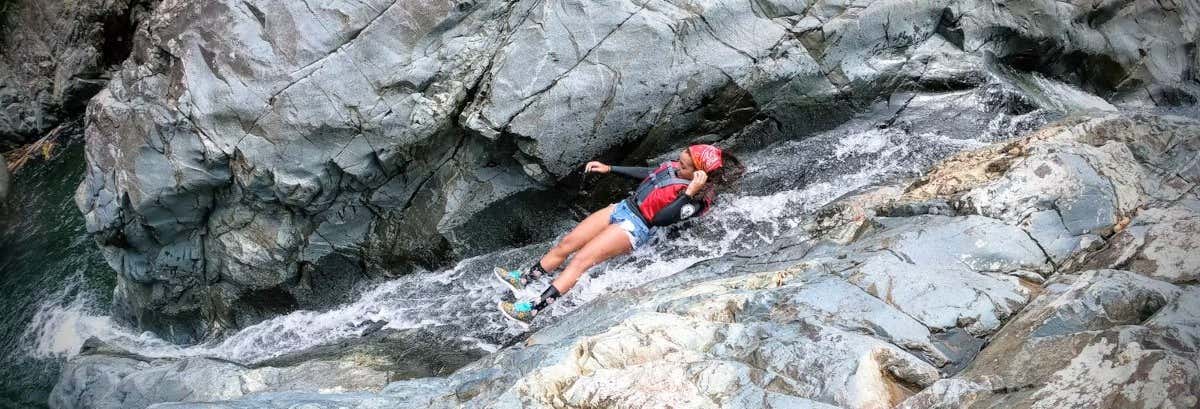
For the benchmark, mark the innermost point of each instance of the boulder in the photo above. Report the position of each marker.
(1102, 338)
(105, 376)
(54, 56)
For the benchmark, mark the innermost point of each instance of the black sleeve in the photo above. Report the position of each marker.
(682, 208)
(632, 172)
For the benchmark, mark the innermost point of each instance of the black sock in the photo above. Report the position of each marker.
(546, 298)
(536, 270)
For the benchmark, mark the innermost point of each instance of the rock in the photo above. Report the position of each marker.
(55, 56)
(1160, 244)
(5, 183)
(1104, 338)
(1070, 185)
(889, 316)
(1099, 46)
(254, 175)
(200, 380)
(106, 377)
(237, 173)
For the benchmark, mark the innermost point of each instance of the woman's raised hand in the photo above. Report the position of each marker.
(597, 167)
(699, 178)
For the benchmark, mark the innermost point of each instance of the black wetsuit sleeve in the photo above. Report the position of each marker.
(682, 208)
(632, 172)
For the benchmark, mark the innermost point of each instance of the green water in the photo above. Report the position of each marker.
(46, 259)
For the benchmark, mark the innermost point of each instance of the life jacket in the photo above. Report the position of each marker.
(659, 191)
(664, 176)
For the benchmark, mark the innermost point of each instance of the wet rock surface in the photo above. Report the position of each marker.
(930, 300)
(54, 56)
(369, 363)
(249, 160)
(5, 183)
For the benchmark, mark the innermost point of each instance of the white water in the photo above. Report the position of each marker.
(460, 302)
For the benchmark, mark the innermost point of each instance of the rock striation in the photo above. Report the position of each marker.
(1042, 272)
(250, 159)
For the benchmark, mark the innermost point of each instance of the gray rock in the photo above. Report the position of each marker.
(200, 380)
(1099, 46)
(889, 315)
(1159, 243)
(250, 159)
(1104, 338)
(5, 183)
(54, 56)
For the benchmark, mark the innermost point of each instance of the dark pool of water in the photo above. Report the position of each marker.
(46, 257)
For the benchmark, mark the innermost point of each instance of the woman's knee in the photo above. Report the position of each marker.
(567, 245)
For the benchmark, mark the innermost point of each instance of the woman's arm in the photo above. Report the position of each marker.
(683, 207)
(632, 172)
(686, 205)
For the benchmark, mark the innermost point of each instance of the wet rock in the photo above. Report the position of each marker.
(1105, 338)
(1099, 46)
(106, 377)
(199, 380)
(5, 183)
(267, 169)
(402, 136)
(1159, 243)
(54, 56)
(894, 314)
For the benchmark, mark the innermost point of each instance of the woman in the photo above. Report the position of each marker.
(668, 194)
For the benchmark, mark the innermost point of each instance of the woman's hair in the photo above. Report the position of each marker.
(724, 177)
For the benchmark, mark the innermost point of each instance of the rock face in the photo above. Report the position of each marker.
(107, 377)
(886, 295)
(54, 56)
(250, 158)
(4, 181)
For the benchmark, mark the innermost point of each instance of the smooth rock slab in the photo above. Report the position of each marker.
(1159, 243)
(1104, 338)
(945, 271)
(108, 382)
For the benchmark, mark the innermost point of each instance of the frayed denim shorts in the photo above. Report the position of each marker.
(625, 218)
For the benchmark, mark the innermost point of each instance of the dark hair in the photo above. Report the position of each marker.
(724, 177)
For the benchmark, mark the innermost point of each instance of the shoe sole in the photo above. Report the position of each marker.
(499, 273)
(500, 306)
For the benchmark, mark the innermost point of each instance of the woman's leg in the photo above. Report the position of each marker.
(577, 238)
(612, 241)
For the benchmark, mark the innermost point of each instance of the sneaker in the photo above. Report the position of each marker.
(521, 312)
(512, 278)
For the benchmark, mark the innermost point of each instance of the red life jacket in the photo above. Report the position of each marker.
(659, 189)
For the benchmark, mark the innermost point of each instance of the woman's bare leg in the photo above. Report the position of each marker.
(584, 232)
(612, 241)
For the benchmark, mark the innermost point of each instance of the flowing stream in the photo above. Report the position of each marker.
(59, 286)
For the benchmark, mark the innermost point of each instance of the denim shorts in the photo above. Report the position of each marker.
(633, 225)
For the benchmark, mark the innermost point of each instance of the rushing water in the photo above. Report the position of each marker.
(48, 266)
(59, 287)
